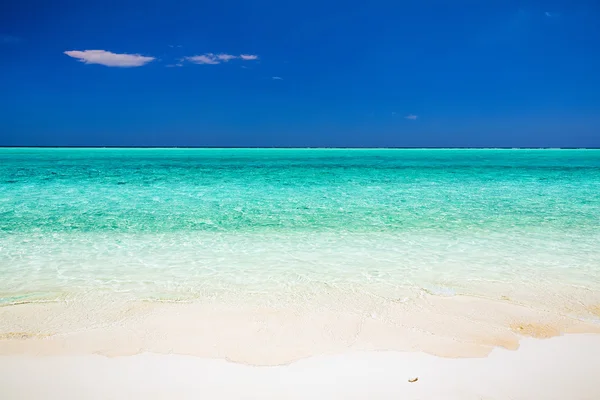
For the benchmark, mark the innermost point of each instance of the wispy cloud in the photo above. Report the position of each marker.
(412, 117)
(174, 65)
(226, 57)
(277, 78)
(213, 59)
(552, 14)
(109, 59)
(210, 58)
(203, 59)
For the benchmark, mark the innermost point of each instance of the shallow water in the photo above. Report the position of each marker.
(290, 225)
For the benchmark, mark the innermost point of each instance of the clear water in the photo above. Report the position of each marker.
(289, 224)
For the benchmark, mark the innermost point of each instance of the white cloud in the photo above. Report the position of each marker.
(412, 117)
(277, 78)
(212, 58)
(109, 59)
(174, 65)
(225, 57)
(208, 58)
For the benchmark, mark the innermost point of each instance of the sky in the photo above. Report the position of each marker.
(300, 74)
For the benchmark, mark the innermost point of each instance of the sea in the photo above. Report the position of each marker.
(279, 226)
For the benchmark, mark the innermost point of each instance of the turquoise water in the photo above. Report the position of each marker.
(185, 224)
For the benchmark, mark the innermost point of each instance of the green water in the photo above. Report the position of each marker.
(185, 223)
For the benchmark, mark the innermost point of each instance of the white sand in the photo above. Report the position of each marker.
(566, 367)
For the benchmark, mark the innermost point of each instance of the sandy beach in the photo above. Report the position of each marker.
(559, 368)
(456, 348)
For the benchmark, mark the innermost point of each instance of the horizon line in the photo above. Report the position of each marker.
(307, 147)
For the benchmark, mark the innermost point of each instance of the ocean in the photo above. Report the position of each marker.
(282, 224)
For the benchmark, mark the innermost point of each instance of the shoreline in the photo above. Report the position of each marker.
(557, 368)
(452, 327)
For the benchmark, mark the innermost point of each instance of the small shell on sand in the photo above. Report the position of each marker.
(411, 380)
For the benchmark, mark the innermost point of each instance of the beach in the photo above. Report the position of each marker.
(559, 368)
(290, 270)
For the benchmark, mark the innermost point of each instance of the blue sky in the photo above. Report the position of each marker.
(310, 73)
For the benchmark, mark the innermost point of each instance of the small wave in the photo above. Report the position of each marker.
(179, 301)
(21, 302)
(440, 291)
